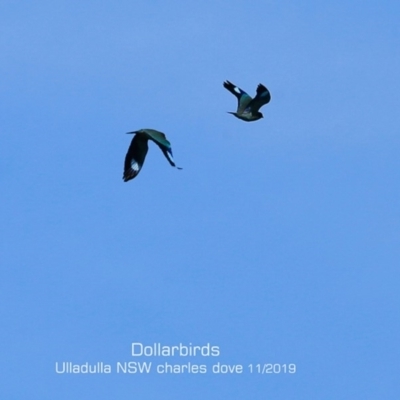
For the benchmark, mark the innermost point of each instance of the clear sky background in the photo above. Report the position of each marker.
(277, 242)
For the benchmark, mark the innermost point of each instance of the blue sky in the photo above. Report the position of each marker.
(277, 242)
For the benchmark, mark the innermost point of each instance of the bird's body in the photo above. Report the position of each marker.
(248, 108)
(137, 151)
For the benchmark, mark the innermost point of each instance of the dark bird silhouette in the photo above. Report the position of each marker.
(248, 108)
(137, 151)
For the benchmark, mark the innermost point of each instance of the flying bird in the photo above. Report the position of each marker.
(137, 151)
(248, 108)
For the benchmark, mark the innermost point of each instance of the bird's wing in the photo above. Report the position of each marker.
(135, 156)
(162, 142)
(157, 137)
(263, 97)
(243, 98)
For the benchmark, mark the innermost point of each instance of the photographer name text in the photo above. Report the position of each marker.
(206, 353)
